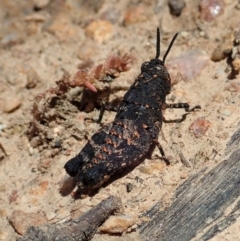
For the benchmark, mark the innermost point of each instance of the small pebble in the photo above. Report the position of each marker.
(183, 175)
(112, 15)
(11, 104)
(135, 14)
(168, 179)
(210, 9)
(176, 6)
(3, 126)
(57, 129)
(129, 187)
(146, 169)
(50, 215)
(100, 30)
(159, 165)
(32, 78)
(145, 219)
(30, 150)
(36, 141)
(63, 28)
(199, 127)
(4, 235)
(21, 221)
(236, 64)
(218, 54)
(36, 17)
(39, 4)
(184, 34)
(227, 110)
(44, 164)
(218, 98)
(189, 64)
(118, 224)
(87, 50)
(224, 135)
(220, 74)
(13, 196)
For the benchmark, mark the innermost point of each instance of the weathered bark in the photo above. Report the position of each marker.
(202, 204)
(79, 229)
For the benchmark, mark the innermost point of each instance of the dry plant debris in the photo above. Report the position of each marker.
(56, 105)
(232, 52)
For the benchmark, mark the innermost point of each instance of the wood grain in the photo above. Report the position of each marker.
(205, 204)
(81, 229)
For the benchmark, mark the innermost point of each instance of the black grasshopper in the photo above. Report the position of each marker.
(133, 134)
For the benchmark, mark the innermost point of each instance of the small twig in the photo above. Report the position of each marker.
(184, 161)
(81, 229)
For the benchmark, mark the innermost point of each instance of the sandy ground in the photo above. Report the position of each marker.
(42, 40)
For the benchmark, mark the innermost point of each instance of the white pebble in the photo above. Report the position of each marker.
(50, 215)
(227, 110)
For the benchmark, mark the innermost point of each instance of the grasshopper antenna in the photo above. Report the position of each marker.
(169, 47)
(158, 44)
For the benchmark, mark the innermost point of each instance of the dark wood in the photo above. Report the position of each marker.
(80, 229)
(205, 204)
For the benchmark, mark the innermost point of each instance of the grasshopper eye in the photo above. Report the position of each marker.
(144, 66)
